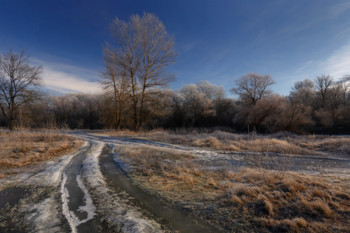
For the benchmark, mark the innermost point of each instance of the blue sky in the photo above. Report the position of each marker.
(216, 40)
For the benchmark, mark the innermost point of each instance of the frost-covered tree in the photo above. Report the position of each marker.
(18, 84)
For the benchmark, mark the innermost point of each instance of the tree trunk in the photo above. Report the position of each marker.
(141, 109)
(134, 105)
(11, 123)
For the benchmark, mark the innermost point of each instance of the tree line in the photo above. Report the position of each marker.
(135, 94)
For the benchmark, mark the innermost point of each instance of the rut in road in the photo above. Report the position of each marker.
(125, 206)
(173, 218)
(77, 205)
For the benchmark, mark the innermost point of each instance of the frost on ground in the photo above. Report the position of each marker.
(37, 213)
(113, 209)
(50, 176)
(89, 208)
(44, 215)
(40, 212)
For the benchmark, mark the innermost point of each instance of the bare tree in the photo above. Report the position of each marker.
(211, 91)
(157, 53)
(252, 87)
(144, 49)
(115, 82)
(295, 115)
(323, 84)
(198, 108)
(18, 82)
(303, 92)
(127, 55)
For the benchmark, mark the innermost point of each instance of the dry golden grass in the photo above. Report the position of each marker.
(252, 200)
(172, 172)
(279, 143)
(19, 149)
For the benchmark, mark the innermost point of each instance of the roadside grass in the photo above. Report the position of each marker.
(284, 143)
(248, 199)
(20, 149)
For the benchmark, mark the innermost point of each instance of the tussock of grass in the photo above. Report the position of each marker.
(250, 199)
(19, 149)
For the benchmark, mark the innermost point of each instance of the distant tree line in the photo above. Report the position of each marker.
(135, 94)
(321, 105)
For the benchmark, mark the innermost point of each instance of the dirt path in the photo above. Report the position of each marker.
(314, 164)
(88, 192)
(172, 217)
(78, 200)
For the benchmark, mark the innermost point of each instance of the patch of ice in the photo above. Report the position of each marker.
(70, 216)
(89, 207)
(72, 219)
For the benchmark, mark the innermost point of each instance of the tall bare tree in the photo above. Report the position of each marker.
(126, 54)
(18, 82)
(157, 52)
(116, 83)
(252, 87)
(143, 49)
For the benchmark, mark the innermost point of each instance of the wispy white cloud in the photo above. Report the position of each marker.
(339, 9)
(338, 64)
(309, 15)
(304, 67)
(65, 78)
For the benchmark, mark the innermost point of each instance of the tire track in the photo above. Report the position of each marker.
(77, 205)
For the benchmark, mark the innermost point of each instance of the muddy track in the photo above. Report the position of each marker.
(77, 205)
(174, 218)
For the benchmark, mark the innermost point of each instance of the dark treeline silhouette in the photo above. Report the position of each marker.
(321, 105)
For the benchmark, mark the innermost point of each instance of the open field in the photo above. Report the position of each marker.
(245, 199)
(20, 149)
(284, 143)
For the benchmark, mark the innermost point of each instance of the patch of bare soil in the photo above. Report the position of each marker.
(242, 200)
(22, 149)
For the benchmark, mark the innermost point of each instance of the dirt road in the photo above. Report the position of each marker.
(90, 191)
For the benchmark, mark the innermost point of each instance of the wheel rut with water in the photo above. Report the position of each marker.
(77, 205)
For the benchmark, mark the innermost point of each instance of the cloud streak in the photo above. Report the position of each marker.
(338, 64)
(65, 78)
